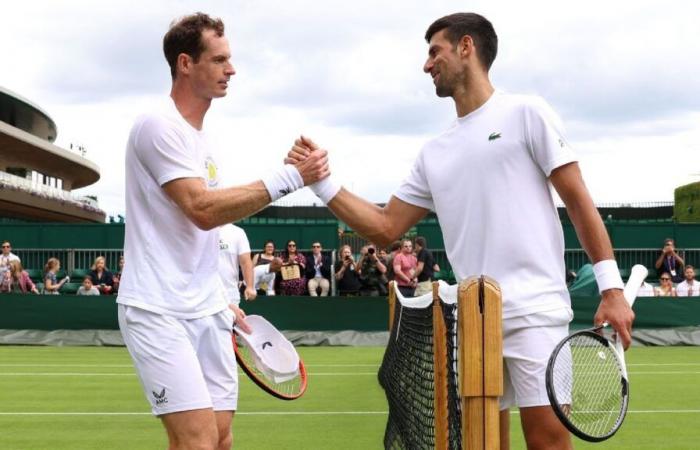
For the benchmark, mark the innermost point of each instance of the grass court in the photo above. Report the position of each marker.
(88, 398)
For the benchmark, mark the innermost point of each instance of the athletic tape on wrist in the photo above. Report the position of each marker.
(607, 275)
(326, 189)
(285, 180)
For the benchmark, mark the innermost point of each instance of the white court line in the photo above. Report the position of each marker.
(311, 374)
(131, 365)
(132, 374)
(296, 413)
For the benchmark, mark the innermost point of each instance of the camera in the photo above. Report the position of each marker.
(370, 250)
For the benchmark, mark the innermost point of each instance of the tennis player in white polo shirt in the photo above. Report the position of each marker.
(173, 314)
(488, 178)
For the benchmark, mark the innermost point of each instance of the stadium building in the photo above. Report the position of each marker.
(36, 176)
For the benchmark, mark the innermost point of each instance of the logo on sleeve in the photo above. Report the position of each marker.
(211, 171)
(493, 136)
(561, 143)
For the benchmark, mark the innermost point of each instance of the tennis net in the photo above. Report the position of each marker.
(419, 375)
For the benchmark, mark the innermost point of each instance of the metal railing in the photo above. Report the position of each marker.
(71, 259)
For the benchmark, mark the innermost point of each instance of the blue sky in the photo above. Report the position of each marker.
(623, 76)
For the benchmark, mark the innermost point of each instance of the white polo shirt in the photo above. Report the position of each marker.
(171, 264)
(486, 178)
(232, 243)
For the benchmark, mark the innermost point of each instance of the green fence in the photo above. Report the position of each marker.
(69, 312)
(624, 234)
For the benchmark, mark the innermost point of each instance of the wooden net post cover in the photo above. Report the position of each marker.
(481, 361)
(440, 373)
(392, 304)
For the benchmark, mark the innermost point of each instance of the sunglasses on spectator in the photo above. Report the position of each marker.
(291, 245)
(665, 279)
(316, 246)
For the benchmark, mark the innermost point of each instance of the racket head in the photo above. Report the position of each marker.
(587, 385)
(287, 389)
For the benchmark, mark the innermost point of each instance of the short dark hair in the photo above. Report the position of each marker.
(478, 27)
(420, 240)
(185, 36)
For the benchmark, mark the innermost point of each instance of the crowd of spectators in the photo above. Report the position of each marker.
(292, 273)
(676, 278)
(15, 279)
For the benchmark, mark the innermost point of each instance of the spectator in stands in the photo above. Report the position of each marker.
(266, 256)
(646, 290)
(293, 271)
(87, 288)
(264, 275)
(17, 280)
(405, 264)
(688, 287)
(318, 271)
(116, 278)
(6, 257)
(101, 277)
(670, 261)
(393, 250)
(426, 267)
(51, 285)
(372, 270)
(347, 278)
(263, 259)
(665, 288)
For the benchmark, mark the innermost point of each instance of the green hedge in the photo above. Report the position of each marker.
(687, 203)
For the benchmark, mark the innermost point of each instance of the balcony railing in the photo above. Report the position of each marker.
(22, 184)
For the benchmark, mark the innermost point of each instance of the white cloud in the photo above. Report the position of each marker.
(622, 76)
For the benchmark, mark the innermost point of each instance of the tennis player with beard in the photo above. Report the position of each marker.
(488, 178)
(173, 314)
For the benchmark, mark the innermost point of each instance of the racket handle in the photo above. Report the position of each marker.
(637, 275)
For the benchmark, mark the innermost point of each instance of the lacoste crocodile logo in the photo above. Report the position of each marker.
(494, 136)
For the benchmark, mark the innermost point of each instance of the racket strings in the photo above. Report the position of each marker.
(588, 385)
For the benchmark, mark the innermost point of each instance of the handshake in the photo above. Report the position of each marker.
(312, 163)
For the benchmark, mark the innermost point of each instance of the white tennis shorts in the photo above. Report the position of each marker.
(528, 341)
(183, 364)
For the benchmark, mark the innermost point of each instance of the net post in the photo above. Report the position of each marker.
(481, 361)
(442, 434)
(392, 304)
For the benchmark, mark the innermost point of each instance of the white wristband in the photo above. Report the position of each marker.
(285, 180)
(326, 189)
(607, 275)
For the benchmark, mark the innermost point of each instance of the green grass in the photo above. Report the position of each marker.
(344, 407)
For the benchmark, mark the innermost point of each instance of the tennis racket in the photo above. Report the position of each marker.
(586, 378)
(269, 359)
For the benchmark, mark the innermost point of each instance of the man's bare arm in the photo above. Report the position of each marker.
(209, 209)
(381, 225)
(246, 264)
(591, 232)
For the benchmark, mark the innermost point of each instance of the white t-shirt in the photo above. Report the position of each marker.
(264, 279)
(683, 289)
(232, 243)
(486, 177)
(645, 290)
(173, 265)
